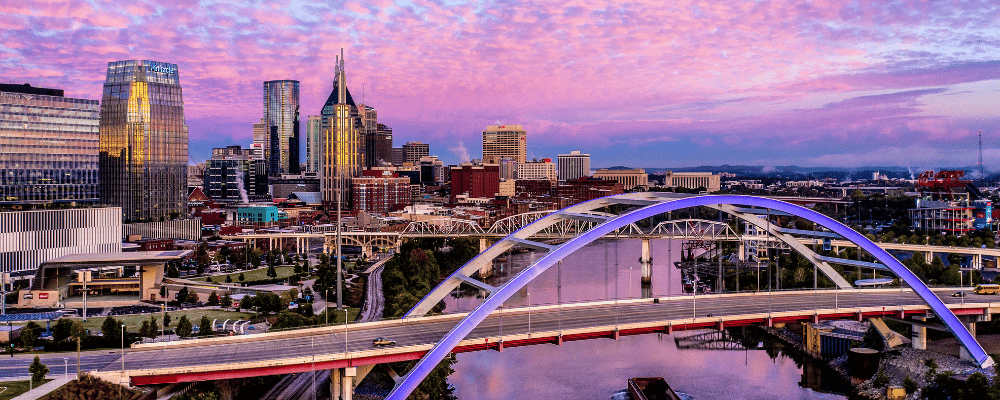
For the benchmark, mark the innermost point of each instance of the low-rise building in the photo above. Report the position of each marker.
(262, 216)
(631, 179)
(538, 170)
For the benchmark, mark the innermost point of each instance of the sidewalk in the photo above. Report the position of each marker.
(46, 388)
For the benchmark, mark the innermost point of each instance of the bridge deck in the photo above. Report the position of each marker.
(323, 348)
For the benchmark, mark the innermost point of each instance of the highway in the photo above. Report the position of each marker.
(265, 351)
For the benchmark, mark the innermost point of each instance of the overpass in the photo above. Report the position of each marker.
(337, 347)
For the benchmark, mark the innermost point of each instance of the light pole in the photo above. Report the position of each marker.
(326, 307)
(346, 351)
(123, 361)
(529, 313)
(66, 369)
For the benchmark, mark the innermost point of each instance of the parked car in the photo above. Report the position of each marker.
(381, 341)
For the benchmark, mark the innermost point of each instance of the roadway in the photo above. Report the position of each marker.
(274, 353)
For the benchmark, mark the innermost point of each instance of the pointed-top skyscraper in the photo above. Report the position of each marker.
(343, 148)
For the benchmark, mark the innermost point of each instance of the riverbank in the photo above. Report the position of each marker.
(897, 364)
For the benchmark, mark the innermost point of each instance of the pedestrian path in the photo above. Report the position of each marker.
(46, 388)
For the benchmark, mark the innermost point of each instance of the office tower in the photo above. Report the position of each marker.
(380, 191)
(573, 165)
(233, 175)
(414, 151)
(383, 145)
(314, 143)
(343, 151)
(398, 156)
(48, 147)
(537, 170)
(281, 114)
(369, 127)
(504, 141)
(475, 181)
(144, 141)
(431, 171)
(261, 141)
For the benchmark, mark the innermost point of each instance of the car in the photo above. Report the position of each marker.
(958, 294)
(381, 341)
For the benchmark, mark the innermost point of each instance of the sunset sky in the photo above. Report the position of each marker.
(637, 83)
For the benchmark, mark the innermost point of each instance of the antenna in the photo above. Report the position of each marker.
(982, 173)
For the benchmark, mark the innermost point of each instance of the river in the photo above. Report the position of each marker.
(596, 369)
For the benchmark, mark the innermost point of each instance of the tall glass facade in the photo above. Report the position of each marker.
(343, 144)
(48, 148)
(144, 141)
(281, 114)
(314, 143)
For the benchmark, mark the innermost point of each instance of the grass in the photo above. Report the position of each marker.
(134, 322)
(251, 275)
(12, 389)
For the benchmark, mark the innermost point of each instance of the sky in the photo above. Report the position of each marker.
(636, 83)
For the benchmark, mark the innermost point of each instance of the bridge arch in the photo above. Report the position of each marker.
(652, 204)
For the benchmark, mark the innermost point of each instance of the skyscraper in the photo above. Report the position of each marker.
(48, 147)
(574, 165)
(261, 141)
(415, 151)
(281, 114)
(369, 128)
(505, 141)
(143, 141)
(343, 148)
(383, 144)
(314, 143)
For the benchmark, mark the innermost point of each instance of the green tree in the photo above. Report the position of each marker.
(226, 301)
(153, 330)
(248, 303)
(184, 327)
(205, 326)
(29, 335)
(38, 370)
(192, 297)
(229, 278)
(268, 302)
(910, 386)
(172, 272)
(112, 330)
(241, 277)
(62, 330)
(202, 257)
(213, 299)
(271, 272)
(166, 320)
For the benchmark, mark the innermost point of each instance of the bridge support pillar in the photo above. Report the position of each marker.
(919, 335)
(483, 244)
(647, 262)
(335, 383)
(741, 251)
(347, 382)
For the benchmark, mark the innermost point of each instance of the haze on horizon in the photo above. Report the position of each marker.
(641, 83)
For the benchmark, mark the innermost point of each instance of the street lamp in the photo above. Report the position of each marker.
(66, 369)
(326, 306)
(123, 360)
(345, 333)
(529, 313)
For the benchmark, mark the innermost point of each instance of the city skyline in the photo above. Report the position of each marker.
(888, 84)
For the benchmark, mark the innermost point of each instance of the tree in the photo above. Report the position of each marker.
(182, 294)
(268, 302)
(166, 320)
(61, 330)
(202, 257)
(909, 386)
(184, 327)
(29, 335)
(38, 370)
(172, 272)
(112, 329)
(229, 279)
(248, 303)
(151, 331)
(192, 297)
(226, 301)
(271, 272)
(205, 326)
(241, 277)
(213, 299)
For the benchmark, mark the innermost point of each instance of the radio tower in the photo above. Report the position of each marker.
(982, 173)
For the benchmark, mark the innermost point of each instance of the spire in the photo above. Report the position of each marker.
(341, 81)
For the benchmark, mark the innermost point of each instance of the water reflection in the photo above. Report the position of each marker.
(735, 364)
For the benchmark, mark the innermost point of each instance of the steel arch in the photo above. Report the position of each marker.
(651, 208)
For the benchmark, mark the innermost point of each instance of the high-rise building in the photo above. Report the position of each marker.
(343, 148)
(398, 156)
(431, 171)
(369, 128)
(504, 141)
(414, 151)
(476, 181)
(233, 175)
(261, 141)
(537, 170)
(574, 165)
(281, 114)
(48, 147)
(143, 141)
(383, 145)
(380, 191)
(314, 142)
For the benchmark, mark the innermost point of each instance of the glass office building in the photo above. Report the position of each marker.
(48, 147)
(144, 141)
(281, 115)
